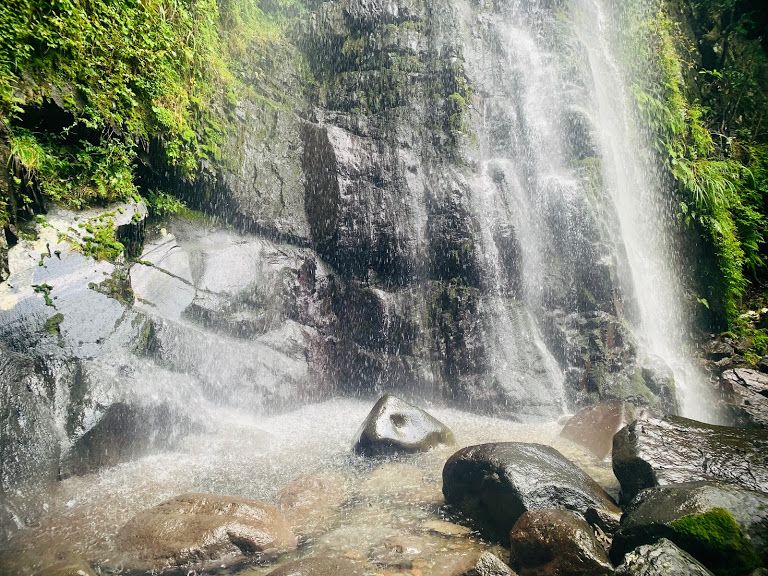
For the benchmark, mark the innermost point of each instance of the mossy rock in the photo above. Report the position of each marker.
(716, 539)
(721, 525)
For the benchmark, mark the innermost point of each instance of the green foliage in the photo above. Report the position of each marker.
(720, 180)
(100, 241)
(718, 537)
(125, 73)
(161, 204)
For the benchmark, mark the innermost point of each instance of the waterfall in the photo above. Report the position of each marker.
(644, 206)
(573, 219)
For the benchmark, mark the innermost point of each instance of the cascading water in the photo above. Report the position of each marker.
(563, 169)
(645, 215)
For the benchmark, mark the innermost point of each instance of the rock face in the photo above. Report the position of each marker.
(745, 394)
(554, 542)
(196, 530)
(724, 526)
(594, 427)
(395, 426)
(495, 484)
(661, 559)
(656, 451)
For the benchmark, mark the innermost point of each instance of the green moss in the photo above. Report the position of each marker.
(716, 538)
(53, 324)
(45, 290)
(117, 286)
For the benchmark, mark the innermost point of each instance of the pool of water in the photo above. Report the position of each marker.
(256, 457)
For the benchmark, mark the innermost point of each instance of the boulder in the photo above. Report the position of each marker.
(196, 530)
(745, 394)
(319, 566)
(123, 433)
(311, 503)
(718, 350)
(394, 426)
(654, 451)
(724, 526)
(594, 426)
(661, 559)
(494, 484)
(553, 542)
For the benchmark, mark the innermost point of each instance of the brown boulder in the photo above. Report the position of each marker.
(594, 426)
(201, 529)
(554, 543)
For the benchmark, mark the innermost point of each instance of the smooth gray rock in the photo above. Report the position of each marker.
(495, 484)
(655, 451)
(394, 426)
(661, 559)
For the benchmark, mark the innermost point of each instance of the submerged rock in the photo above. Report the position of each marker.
(594, 426)
(553, 542)
(655, 451)
(470, 564)
(400, 552)
(395, 426)
(495, 484)
(320, 566)
(311, 503)
(661, 559)
(723, 526)
(195, 530)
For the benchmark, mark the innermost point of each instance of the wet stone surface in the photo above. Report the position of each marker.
(495, 484)
(655, 451)
(395, 426)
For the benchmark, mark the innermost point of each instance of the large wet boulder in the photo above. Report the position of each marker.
(723, 526)
(661, 559)
(654, 451)
(394, 426)
(495, 484)
(197, 530)
(124, 432)
(553, 542)
(745, 395)
(594, 426)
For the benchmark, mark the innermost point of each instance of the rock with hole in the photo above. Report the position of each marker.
(394, 426)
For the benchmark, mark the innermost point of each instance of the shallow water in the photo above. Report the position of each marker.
(256, 457)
